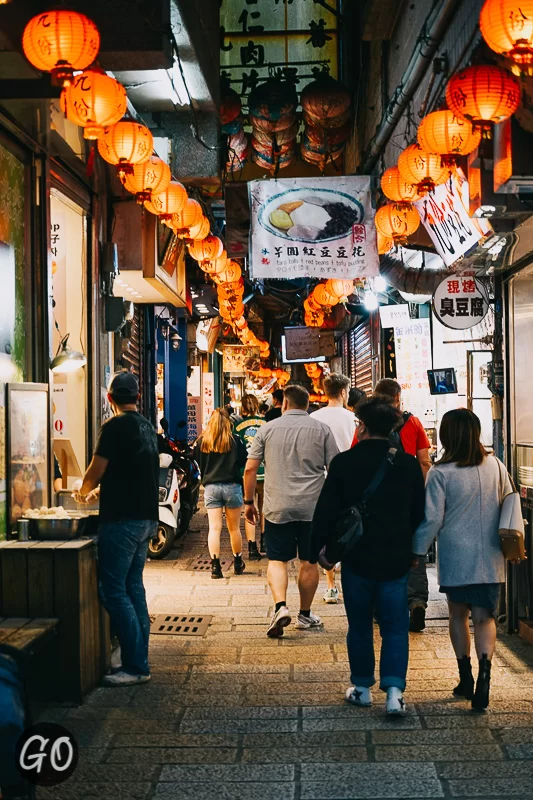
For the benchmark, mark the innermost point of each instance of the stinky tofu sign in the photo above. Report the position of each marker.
(446, 220)
(303, 342)
(460, 302)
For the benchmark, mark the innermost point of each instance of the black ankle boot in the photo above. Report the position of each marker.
(480, 700)
(253, 552)
(238, 565)
(216, 569)
(465, 687)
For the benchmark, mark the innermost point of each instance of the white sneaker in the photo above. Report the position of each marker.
(122, 678)
(332, 596)
(280, 620)
(303, 623)
(395, 701)
(359, 697)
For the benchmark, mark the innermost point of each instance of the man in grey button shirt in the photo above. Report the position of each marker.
(296, 450)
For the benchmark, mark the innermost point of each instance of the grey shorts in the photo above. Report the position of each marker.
(223, 495)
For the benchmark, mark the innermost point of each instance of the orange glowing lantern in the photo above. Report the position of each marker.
(314, 320)
(423, 170)
(184, 220)
(231, 272)
(169, 202)
(60, 42)
(240, 323)
(507, 27)
(218, 265)
(340, 288)
(397, 220)
(208, 249)
(385, 243)
(93, 101)
(323, 297)
(396, 188)
(152, 177)
(483, 94)
(312, 304)
(125, 145)
(443, 133)
(200, 230)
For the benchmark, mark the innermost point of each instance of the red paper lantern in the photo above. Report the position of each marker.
(443, 133)
(340, 288)
(94, 101)
(324, 297)
(395, 188)
(325, 98)
(186, 218)
(60, 42)
(423, 170)
(207, 249)
(231, 272)
(169, 202)
(507, 27)
(483, 94)
(216, 266)
(152, 177)
(200, 230)
(125, 145)
(385, 243)
(397, 220)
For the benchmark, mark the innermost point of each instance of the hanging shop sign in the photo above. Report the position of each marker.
(304, 343)
(312, 228)
(194, 418)
(394, 315)
(412, 342)
(208, 380)
(446, 220)
(461, 302)
(239, 359)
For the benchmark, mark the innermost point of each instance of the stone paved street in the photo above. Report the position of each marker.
(235, 715)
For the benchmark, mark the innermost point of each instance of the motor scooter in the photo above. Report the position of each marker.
(169, 509)
(188, 475)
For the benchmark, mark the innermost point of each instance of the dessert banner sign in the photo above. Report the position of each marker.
(312, 228)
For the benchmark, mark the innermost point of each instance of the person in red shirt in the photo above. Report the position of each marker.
(414, 441)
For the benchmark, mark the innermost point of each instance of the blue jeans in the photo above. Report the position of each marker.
(389, 599)
(122, 548)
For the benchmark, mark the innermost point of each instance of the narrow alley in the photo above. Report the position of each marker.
(233, 714)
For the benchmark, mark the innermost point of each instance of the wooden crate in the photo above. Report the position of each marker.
(59, 579)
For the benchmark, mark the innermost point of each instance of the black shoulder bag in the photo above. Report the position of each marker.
(349, 527)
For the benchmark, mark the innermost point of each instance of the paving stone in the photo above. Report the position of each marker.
(245, 669)
(304, 755)
(239, 726)
(432, 753)
(516, 736)
(346, 711)
(475, 769)
(240, 773)
(345, 782)
(225, 791)
(171, 755)
(433, 737)
(174, 740)
(491, 720)
(361, 723)
(117, 791)
(237, 712)
(113, 773)
(282, 656)
(520, 750)
(264, 741)
(493, 788)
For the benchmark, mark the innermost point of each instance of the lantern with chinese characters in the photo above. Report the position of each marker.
(169, 202)
(396, 188)
(483, 94)
(218, 265)
(385, 243)
(323, 297)
(125, 145)
(340, 288)
(397, 220)
(60, 42)
(185, 219)
(201, 230)
(230, 291)
(231, 272)
(240, 323)
(443, 133)
(423, 170)
(93, 101)
(207, 249)
(149, 178)
(507, 27)
(314, 320)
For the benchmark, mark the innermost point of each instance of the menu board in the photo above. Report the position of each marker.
(302, 343)
(413, 359)
(240, 358)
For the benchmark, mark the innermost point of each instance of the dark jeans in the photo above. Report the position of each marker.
(122, 548)
(389, 599)
(418, 587)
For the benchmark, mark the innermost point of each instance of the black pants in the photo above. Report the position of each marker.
(417, 587)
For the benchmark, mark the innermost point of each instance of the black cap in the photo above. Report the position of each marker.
(124, 386)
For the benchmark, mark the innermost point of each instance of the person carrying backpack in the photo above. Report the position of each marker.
(409, 437)
(384, 490)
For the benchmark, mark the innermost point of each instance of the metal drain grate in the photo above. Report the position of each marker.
(203, 564)
(180, 624)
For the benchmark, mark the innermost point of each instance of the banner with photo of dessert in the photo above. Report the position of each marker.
(312, 228)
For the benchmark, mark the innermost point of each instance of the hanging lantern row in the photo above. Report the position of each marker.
(322, 299)
(326, 110)
(315, 372)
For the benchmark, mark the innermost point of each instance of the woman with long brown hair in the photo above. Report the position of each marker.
(463, 498)
(220, 456)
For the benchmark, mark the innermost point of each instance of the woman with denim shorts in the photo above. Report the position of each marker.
(221, 457)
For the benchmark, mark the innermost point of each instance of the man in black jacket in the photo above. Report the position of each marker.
(374, 576)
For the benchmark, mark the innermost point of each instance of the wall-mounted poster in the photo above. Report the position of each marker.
(312, 228)
(28, 449)
(240, 358)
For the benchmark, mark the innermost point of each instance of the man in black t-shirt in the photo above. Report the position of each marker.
(126, 467)
(277, 402)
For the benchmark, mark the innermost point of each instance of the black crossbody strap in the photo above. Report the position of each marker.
(378, 478)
